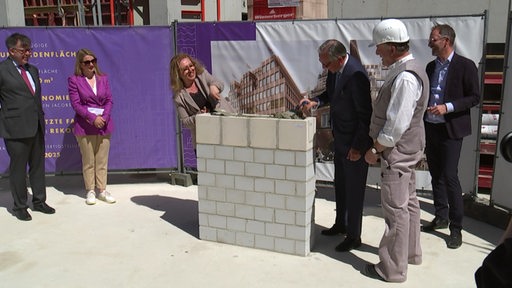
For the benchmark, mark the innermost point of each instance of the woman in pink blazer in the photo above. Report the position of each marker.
(91, 98)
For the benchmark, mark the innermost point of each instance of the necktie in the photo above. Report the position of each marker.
(25, 78)
(338, 81)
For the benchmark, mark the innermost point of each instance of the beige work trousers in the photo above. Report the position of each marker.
(400, 244)
(94, 150)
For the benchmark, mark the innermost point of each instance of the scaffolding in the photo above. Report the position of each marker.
(78, 12)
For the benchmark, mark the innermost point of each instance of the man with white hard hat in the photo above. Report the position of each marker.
(398, 141)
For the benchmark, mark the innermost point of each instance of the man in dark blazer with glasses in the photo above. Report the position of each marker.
(22, 126)
(454, 89)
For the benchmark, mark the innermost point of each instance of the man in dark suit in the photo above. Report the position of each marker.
(22, 126)
(348, 93)
(454, 89)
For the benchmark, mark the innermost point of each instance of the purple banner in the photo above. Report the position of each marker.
(136, 59)
(195, 39)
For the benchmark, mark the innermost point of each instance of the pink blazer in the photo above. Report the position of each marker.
(82, 98)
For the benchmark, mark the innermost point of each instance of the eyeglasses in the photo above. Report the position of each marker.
(326, 65)
(23, 51)
(88, 62)
(187, 67)
(340, 59)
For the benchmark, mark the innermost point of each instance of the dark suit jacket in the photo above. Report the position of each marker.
(462, 89)
(20, 111)
(351, 106)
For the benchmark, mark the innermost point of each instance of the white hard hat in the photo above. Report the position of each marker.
(390, 30)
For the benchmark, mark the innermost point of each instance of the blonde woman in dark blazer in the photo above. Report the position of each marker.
(195, 90)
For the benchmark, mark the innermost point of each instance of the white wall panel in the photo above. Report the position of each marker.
(502, 181)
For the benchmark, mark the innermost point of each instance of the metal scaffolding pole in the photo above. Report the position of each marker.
(96, 13)
(81, 13)
(100, 13)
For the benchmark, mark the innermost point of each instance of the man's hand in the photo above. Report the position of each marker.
(353, 154)
(370, 157)
(437, 109)
(306, 105)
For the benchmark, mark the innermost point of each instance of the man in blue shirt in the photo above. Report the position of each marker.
(454, 89)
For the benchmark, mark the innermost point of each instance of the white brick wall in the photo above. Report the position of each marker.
(235, 224)
(234, 168)
(256, 182)
(264, 214)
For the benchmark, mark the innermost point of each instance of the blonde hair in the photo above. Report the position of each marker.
(80, 57)
(174, 73)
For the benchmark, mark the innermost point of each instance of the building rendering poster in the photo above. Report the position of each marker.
(267, 67)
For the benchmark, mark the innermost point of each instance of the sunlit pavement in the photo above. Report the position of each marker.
(149, 238)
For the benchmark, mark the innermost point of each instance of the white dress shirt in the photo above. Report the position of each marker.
(405, 92)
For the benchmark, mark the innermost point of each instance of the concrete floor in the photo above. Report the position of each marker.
(149, 238)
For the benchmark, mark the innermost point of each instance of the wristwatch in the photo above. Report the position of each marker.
(374, 151)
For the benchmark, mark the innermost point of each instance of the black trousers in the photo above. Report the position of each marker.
(496, 267)
(23, 152)
(349, 184)
(443, 156)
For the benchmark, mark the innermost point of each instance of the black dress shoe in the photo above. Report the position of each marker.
(22, 215)
(334, 230)
(369, 271)
(437, 223)
(348, 244)
(45, 208)
(455, 240)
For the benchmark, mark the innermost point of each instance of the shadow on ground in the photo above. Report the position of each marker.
(180, 213)
(183, 214)
(372, 207)
(326, 244)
